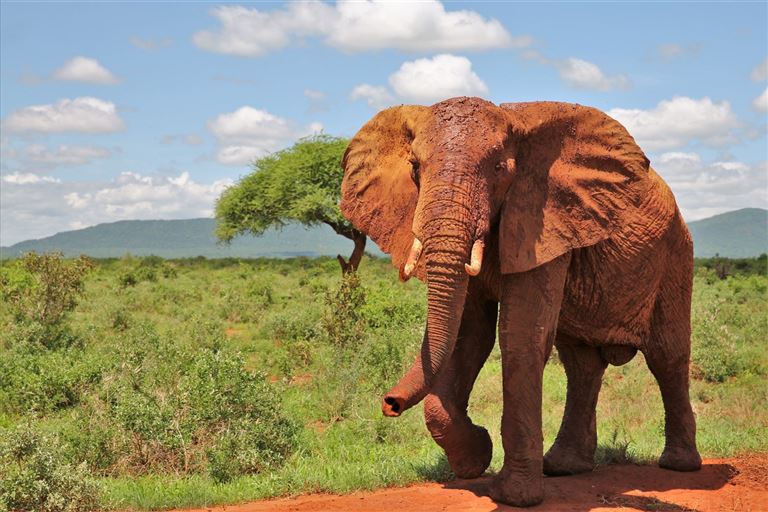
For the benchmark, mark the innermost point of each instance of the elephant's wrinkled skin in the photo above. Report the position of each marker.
(577, 241)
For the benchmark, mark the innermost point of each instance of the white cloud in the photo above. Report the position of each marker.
(436, 79)
(582, 74)
(249, 133)
(314, 95)
(26, 178)
(376, 96)
(677, 122)
(354, 26)
(425, 81)
(35, 206)
(579, 73)
(318, 100)
(83, 69)
(150, 43)
(704, 189)
(38, 154)
(671, 51)
(415, 26)
(190, 139)
(84, 115)
(760, 72)
(761, 102)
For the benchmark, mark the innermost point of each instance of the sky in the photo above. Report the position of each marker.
(112, 111)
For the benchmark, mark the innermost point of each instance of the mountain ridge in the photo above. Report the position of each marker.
(739, 234)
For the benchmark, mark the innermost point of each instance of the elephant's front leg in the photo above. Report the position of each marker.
(467, 446)
(528, 319)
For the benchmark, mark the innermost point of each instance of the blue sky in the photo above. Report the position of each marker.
(120, 111)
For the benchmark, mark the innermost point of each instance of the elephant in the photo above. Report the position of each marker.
(544, 220)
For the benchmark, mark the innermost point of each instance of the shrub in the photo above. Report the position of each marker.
(36, 477)
(343, 321)
(205, 412)
(713, 350)
(43, 288)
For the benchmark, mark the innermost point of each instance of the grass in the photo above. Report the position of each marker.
(275, 315)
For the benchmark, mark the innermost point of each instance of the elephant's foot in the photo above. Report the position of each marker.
(474, 456)
(520, 489)
(560, 461)
(680, 459)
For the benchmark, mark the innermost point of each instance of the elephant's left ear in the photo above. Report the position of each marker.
(578, 176)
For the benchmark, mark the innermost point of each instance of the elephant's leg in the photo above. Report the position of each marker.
(467, 446)
(668, 357)
(528, 319)
(574, 448)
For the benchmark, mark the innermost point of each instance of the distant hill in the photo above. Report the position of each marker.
(738, 234)
(186, 238)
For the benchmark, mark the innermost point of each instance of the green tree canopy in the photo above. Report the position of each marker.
(299, 184)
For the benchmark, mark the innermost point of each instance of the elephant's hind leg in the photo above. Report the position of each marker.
(668, 357)
(467, 446)
(574, 448)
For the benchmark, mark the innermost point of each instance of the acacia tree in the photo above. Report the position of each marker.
(299, 184)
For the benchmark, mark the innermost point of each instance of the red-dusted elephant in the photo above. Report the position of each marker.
(546, 219)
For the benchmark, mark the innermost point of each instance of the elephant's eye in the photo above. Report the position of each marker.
(415, 171)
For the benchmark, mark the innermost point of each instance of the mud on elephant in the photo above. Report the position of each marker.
(546, 221)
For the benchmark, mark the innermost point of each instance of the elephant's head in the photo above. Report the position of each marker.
(428, 185)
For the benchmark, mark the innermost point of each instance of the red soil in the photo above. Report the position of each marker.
(739, 484)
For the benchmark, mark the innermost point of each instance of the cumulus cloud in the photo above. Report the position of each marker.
(63, 155)
(150, 43)
(579, 73)
(377, 97)
(761, 102)
(424, 81)
(703, 189)
(582, 74)
(760, 72)
(435, 79)
(84, 69)
(677, 122)
(83, 115)
(354, 26)
(249, 133)
(35, 206)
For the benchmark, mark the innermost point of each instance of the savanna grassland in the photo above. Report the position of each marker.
(169, 383)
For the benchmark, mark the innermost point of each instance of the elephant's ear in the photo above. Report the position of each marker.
(378, 195)
(578, 176)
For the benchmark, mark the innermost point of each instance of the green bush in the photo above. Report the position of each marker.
(343, 321)
(36, 477)
(40, 290)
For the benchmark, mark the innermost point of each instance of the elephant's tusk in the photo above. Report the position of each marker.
(476, 259)
(413, 258)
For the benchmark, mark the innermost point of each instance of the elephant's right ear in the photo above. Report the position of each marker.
(378, 195)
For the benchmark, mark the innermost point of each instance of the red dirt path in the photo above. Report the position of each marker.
(739, 484)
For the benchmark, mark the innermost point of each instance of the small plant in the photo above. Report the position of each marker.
(343, 321)
(43, 288)
(36, 477)
(713, 351)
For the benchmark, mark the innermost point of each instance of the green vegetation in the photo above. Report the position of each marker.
(218, 381)
(299, 184)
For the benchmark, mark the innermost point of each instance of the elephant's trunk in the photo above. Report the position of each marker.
(447, 289)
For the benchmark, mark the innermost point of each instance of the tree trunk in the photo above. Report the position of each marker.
(351, 265)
